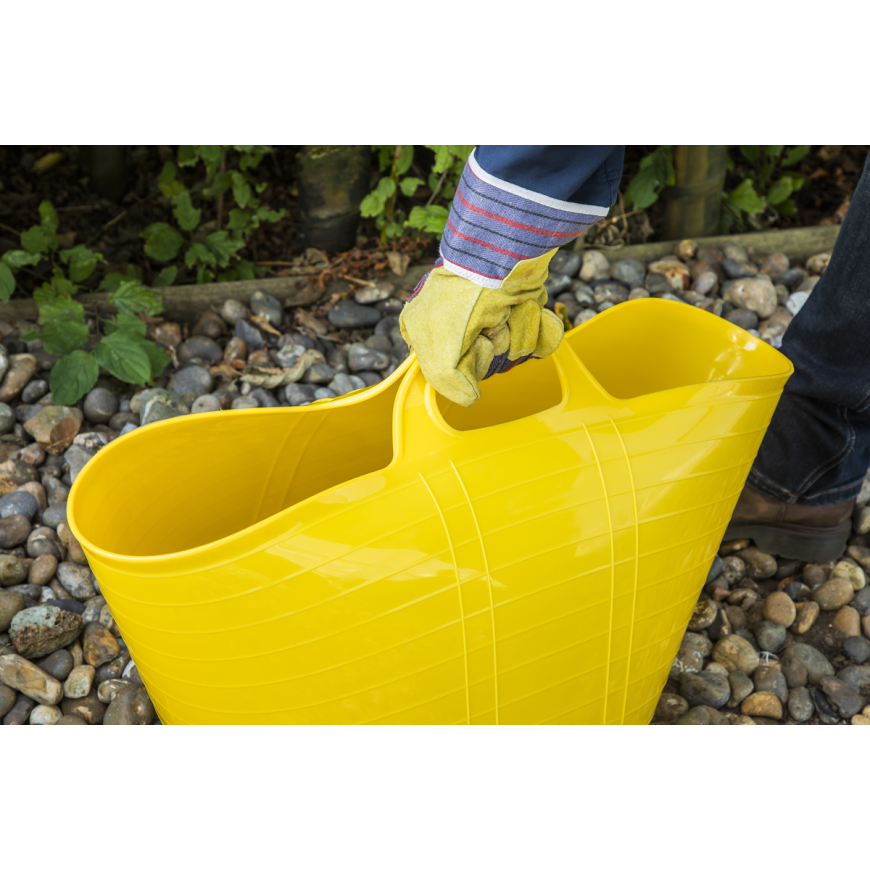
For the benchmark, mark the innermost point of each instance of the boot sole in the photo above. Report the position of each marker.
(793, 541)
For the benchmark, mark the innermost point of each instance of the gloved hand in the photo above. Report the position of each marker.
(462, 333)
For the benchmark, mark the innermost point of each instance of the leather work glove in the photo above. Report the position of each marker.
(463, 333)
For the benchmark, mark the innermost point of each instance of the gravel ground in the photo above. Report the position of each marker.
(770, 642)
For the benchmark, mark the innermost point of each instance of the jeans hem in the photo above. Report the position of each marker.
(829, 496)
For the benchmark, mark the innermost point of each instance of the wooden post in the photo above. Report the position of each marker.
(694, 203)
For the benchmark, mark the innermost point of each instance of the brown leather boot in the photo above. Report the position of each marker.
(810, 534)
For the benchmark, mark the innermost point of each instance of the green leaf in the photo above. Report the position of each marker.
(202, 253)
(443, 159)
(124, 358)
(729, 163)
(210, 153)
(158, 358)
(187, 155)
(35, 240)
(432, 219)
(129, 324)
(223, 247)
(167, 182)
(372, 205)
(642, 191)
(386, 188)
(190, 257)
(166, 278)
(238, 220)
(44, 294)
(241, 189)
(797, 180)
(81, 262)
(163, 243)
(61, 308)
(746, 199)
(780, 190)
(750, 152)
(267, 214)
(393, 230)
(63, 336)
(795, 155)
(406, 158)
(185, 214)
(7, 282)
(48, 218)
(111, 282)
(773, 151)
(73, 376)
(62, 285)
(786, 208)
(203, 276)
(245, 271)
(17, 259)
(409, 185)
(131, 298)
(260, 187)
(222, 183)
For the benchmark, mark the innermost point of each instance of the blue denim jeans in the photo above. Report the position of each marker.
(817, 448)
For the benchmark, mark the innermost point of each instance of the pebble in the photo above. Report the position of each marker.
(833, 593)
(806, 614)
(34, 391)
(205, 404)
(741, 687)
(363, 358)
(323, 393)
(299, 394)
(690, 656)
(770, 636)
(71, 720)
(233, 310)
(814, 661)
(76, 458)
(567, 263)
(39, 631)
(7, 418)
(131, 706)
(736, 654)
(853, 573)
(856, 676)
(800, 704)
(7, 699)
(22, 367)
(762, 704)
(78, 683)
(20, 712)
(710, 689)
(14, 530)
(701, 715)
(42, 714)
(595, 267)
(243, 403)
(629, 271)
(770, 679)
(348, 314)
(12, 571)
(669, 707)
(779, 608)
(58, 665)
(266, 305)
(90, 709)
(209, 324)
(191, 379)
(98, 645)
(198, 347)
(77, 580)
(20, 674)
(108, 689)
(759, 565)
(100, 405)
(848, 622)
(736, 269)
(857, 648)
(818, 262)
(755, 294)
(319, 374)
(20, 503)
(843, 698)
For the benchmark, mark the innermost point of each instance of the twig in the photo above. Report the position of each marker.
(357, 280)
(10, 230)
(437, 188)
(80, 208)
(220, 202)
(106, 226)
(622, 209)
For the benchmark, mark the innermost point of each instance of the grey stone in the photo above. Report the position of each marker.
(371, 295)
(736, 269)
(205, 404)
(14, 530)
(20, 712)
(390, 306)
(76, 458)
(690, 657)
(349, 314)
(319, 374)
(770, 679)
(741, 688)
(299, 394)
(857, 648)
(800, 704)
(100, 405)
(266, 305)
(7, 418)
(361, 358)
(19, 502)
(769, 636)
(43, 541)
(286, 356)
(264, 398)
(609, 292)
(323, 393)
(556, 284)
(856, 676)
(34, 391)
(565, 263)
(629, 271)
(861, 601)
(11, 602)
(791, 277)
(54, 515)
(233, 310)
(845, 699)
(244, 403)
(78, 580)
(827, 714)
(191, 379)
(671, 706)
(160, 408)
(742, 317)
(341, 384)
(249, 335)
(58, 664)
(199, 347)
(708, 688)
(369, 379)
(380, 342)
(716, 568)
(815, 662)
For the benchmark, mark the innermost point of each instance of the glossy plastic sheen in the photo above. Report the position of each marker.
(390, 557)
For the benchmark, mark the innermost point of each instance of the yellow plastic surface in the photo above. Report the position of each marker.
(390, 557)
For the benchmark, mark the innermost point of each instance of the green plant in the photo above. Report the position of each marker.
(123, 350)
(431, 218)
(207, 247)
(656, 172)
(759, 192)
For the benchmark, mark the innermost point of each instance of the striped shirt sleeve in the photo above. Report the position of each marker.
(494, 224)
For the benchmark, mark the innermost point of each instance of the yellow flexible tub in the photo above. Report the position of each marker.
(390, 557)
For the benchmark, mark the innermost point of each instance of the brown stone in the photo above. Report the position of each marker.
(98, 645)
(762, 704)
(865, 624)
(39, 631)
(42, 569)
(704, 615)
(14, 530)
(736, 617)
(848, 621)
(807, 612)
(54, 427)
(12, 572)
(20, 674)
(834, 593)
(37, 490)
(11, 602)
(779, 608)
(75, 553)
(90, 708)
(671, 707)
(167, 334)
(22, 367)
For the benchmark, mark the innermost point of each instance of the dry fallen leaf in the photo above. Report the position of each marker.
(309, 321)
(47, 161)
(264, 324)
(398, 262)
(269, 377)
